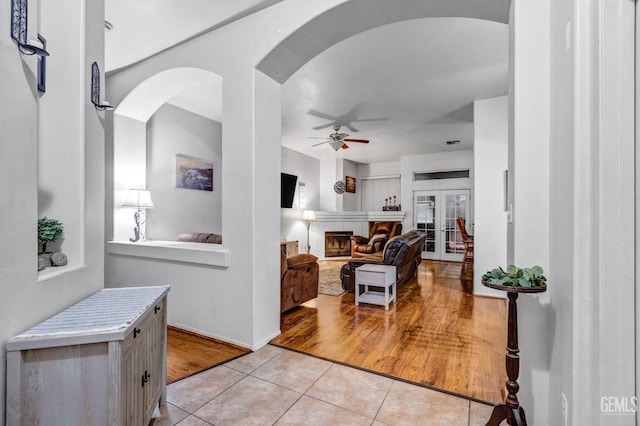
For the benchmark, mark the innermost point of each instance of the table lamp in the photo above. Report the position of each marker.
(140, 199)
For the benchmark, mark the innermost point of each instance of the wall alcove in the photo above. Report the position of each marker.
(174, 112)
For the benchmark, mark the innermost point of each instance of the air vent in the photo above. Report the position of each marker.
(450, 174)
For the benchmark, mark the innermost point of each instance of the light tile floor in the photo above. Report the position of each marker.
(274, 386)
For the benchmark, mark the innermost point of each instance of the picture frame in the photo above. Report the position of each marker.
(350, 183)
(193, 173)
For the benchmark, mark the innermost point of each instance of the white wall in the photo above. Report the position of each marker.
(455, 160)
(387, 168)
(328, 177)
(308, 171)
(561, 211)
(529, 161)
(26, 300)
(351, 202)
(489, 163)
(172, 131)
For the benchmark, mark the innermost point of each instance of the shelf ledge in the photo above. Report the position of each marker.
(179, 251)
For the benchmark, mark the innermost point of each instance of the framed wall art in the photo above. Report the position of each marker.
(193, 173)
(350, 182)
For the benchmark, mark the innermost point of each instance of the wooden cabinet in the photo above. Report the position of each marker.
(289, 248)
(99, 362)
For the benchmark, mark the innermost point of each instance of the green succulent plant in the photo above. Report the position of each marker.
(516, 277)
(49, 230)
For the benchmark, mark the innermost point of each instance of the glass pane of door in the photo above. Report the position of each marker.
(455, 206)
(435, 214)
(425, 217)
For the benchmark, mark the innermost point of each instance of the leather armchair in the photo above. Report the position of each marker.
(200, 237)
(298, 280)
(403, 251)
(379, 234)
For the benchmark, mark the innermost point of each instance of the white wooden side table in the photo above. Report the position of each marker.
(378, 276)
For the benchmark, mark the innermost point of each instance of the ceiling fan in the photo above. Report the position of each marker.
(347, 119)
(337, 140)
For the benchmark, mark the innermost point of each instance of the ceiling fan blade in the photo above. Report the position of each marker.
(320, 143)
(324, 126)
(370, 119)
(316, 137)
(344, 146)
(322, 115)
(356, 140)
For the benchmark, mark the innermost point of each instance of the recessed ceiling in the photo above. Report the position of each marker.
(417, 78)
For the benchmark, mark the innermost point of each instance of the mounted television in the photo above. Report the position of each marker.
(287, 189)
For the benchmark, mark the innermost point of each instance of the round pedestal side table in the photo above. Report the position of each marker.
(511, 409)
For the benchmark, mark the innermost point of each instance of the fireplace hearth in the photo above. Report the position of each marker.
(337, 243)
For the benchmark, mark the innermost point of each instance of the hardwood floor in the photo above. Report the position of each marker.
(189, 353)
(437, 334)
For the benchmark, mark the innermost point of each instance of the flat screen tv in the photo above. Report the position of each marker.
(287, 189)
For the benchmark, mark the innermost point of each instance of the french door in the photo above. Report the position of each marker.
(435, 213)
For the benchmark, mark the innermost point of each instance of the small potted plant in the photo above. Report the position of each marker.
(48, 230)
(517, 279)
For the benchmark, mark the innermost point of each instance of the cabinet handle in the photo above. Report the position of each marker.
(145, 377)
(157, 309)
(136, 331)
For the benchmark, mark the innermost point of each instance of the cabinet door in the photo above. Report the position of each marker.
(132, 363)
(154, 355)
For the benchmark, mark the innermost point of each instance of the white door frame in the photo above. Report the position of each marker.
(605, 336)
(439, 252)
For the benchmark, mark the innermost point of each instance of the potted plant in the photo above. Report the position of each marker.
(48, 230)
(522, 278)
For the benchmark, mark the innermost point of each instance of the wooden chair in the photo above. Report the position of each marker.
(468, 242)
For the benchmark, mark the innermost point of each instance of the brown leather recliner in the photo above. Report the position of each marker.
(403, 251)
(200, 237)
(299, 280)
(379, 234)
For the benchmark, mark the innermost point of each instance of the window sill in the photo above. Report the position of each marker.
(178, 251)
(55, 271)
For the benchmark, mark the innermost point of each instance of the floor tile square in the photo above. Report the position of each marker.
(313, 412)
(292, 370)
(479, 414)
(248, 363)
(251, 401)
(195, 391)
(170, 415)
(410, 405)
(193, 421)
(353, 389)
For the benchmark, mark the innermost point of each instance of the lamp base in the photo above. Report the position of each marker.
(139, 229)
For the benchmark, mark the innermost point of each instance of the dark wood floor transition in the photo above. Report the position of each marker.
(189, 353)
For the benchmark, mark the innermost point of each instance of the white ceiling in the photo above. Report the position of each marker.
(420, 75)
(144, 28)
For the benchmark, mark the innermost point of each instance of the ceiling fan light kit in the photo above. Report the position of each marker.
(337, 140)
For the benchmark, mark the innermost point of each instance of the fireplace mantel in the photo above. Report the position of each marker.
(354, 221)
(346, 216)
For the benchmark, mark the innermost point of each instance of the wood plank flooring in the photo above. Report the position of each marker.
(189, 353)
(437, 334)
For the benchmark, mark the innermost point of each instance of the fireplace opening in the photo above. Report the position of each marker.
(337, 243)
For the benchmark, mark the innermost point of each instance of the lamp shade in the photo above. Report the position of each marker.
(139, 198)
(308, 215)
